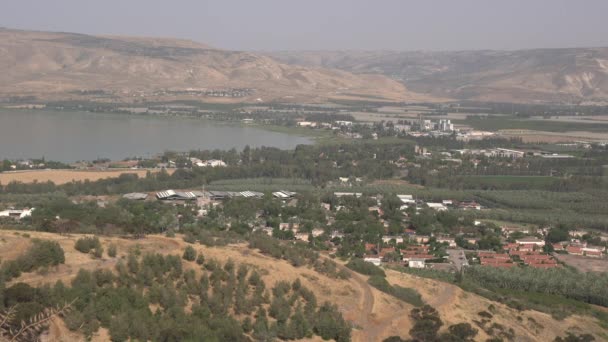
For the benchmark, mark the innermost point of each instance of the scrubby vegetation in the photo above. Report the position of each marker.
(42, 253)
(405, 294)
(363, 267)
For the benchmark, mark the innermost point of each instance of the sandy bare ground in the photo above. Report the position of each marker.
(373, 314)
(530, 136)
(456, 306)
(583, 263)
(65, 176)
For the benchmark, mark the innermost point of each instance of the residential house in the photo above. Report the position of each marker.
(416, 263)
(388, 238)
(376, 260)
(420, 238)
(469, 206)
(507, 230)
(449, 240)
(406, 199)
(437, 206)
(342, 194)
(574, 250)
(530, 241)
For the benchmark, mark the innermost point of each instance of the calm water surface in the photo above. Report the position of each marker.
(72, 136)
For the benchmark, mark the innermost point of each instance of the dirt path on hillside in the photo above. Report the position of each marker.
(366, 317)
(366, 310)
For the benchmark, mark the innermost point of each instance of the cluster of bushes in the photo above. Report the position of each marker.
(296, 254)
(405, 294)
(42, 253)
(366, 268)
(331, 269)
(88, 244)
(189, 254)
(427, 324)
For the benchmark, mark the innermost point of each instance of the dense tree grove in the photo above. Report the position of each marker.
(145, 299)
(586, 287)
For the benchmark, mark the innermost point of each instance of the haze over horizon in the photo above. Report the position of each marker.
(321, 25)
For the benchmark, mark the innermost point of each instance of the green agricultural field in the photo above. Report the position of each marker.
(511, 182)
(499, 123)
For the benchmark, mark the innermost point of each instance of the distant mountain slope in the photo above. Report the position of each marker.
(54, 64)
(540, 75)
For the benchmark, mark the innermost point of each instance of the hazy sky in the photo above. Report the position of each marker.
(328, 24)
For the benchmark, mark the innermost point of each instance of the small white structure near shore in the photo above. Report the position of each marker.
(17, 213)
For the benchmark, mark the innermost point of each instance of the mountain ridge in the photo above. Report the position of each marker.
(572, 75)
(54, 65)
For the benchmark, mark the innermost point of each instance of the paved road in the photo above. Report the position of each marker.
(458, 258)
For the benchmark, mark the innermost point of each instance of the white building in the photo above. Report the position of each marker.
(373, 259)
(406, 199)
(344, 123)
(530, 241)
(437, 206)
(450, 241)
(388, 238)
(17, 213)
(342, 194)
(416, 263)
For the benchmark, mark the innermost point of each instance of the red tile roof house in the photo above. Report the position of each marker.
(496, 256)
(538, 259)
(510, 246)
(593, 254)
(527, 248)
(385, 251)
(574, 250)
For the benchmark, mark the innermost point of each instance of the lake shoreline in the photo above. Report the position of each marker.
(70, 136)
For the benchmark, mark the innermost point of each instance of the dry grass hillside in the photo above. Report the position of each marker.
(538, 75)
(374, 315)
(56, 65)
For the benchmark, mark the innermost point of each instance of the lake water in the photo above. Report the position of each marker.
(72, 136)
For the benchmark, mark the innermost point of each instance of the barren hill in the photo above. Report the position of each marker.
(539, 75)
(58, 65)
